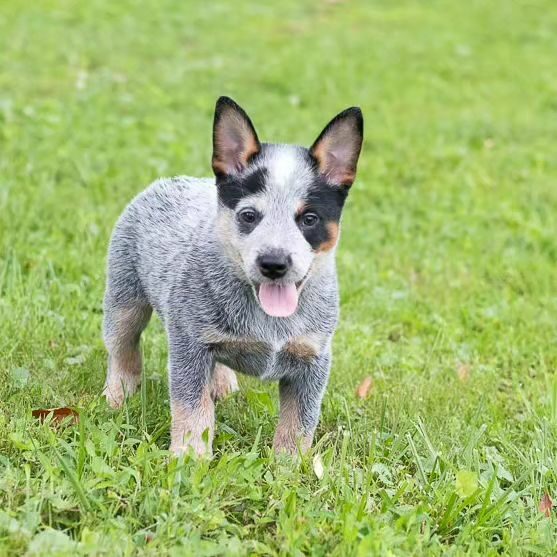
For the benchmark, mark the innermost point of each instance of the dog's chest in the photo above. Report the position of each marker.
(265, 358)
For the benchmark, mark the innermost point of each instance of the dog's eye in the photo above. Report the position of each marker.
(248, 216)
(309, 219)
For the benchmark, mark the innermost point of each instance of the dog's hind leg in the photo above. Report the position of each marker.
(122, 330)
(223, 382)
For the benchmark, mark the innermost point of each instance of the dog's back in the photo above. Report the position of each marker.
(153, 234)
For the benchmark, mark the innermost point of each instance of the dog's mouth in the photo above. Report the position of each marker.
(278, 299)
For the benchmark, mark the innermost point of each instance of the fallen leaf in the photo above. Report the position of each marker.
(463, 372)
(58, 414)
(365, 387)
(466, 483)
(318, 467)
(546, 504)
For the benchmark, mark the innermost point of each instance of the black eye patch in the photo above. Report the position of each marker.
(232, 189)
(248, 219)
(327, 202)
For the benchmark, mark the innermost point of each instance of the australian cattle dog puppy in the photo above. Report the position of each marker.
(241, 271)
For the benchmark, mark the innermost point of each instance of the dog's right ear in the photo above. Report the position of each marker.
(235, 141)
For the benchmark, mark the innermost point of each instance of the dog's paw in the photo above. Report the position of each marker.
(197, 447)
(291, 444)
(118, 388)
(223, 383)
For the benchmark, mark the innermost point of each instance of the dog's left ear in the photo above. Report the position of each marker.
(235, 141)
(338, 147)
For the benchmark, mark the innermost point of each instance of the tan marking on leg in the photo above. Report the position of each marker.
(223, 382)
(333, 230)
(305, 347)
(190, 424)
(123, 378)
(124, 361)
(289, 434)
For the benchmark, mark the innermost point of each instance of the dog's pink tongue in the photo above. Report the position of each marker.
(278, 300)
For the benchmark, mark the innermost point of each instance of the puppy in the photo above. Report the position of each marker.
(241, 270)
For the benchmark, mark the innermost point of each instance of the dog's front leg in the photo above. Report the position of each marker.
(300, 405)
(191, 405)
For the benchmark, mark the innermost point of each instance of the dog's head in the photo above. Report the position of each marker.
(280, 205)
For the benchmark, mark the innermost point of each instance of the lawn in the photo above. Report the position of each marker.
(447, 265)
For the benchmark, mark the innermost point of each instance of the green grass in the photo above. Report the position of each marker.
(448, 262)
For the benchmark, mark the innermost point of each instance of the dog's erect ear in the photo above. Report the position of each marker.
(338, 147)
(234, 139)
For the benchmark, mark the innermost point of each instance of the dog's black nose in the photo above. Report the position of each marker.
(274, 265)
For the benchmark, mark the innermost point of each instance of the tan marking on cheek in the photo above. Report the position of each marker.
(289, 432)
(190, 423)
(333, 230)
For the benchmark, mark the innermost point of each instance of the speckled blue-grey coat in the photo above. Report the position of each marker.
(241, 270)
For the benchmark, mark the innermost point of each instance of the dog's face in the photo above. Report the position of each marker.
(280, 205)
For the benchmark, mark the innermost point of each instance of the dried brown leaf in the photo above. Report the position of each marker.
(58, 414)
(546, 504)
(365, 387)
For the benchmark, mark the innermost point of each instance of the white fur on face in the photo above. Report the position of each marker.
(288, 170)
(288, 178)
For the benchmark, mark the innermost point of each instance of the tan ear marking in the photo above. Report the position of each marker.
(235, 141)
(326, 161)
(338, 147)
